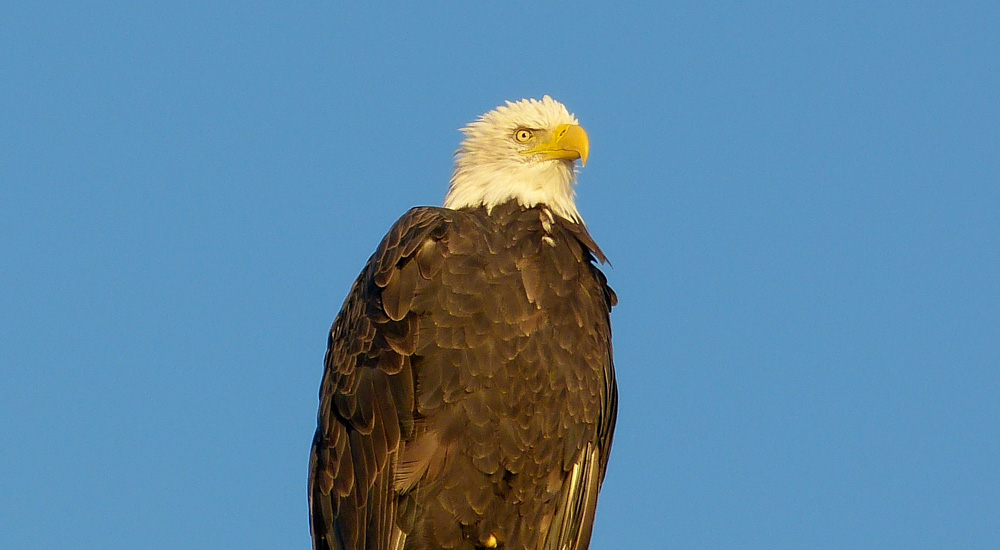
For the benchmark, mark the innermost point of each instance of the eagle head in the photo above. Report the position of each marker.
(525, 151)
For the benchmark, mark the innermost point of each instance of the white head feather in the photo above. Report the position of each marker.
(491, 168)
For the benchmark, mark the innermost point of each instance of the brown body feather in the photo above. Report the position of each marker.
(469, 396)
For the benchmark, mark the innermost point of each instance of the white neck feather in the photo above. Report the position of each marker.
(476, 183)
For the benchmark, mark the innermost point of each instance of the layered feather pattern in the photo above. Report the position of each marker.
(469, 396)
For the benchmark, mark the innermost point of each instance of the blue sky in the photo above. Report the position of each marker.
(800, 202)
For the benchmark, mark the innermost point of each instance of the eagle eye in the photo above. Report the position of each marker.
(522, 135)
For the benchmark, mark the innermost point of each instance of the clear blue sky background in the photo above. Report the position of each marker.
(801, 204)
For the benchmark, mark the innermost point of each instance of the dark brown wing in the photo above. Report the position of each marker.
(574, 520)
(351, 498)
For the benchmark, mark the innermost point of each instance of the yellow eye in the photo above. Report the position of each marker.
(522, 135)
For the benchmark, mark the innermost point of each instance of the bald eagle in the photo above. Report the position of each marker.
(469, 395)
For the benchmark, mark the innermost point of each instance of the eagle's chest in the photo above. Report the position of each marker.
(511, 377)
(536, 375)
(513, 337)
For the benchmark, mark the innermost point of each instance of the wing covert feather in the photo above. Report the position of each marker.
(368, 359)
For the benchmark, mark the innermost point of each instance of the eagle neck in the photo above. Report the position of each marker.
(548, 184)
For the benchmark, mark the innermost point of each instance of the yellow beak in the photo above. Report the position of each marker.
(567, 142)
